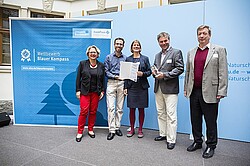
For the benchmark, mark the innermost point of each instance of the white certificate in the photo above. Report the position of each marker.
(128, 70)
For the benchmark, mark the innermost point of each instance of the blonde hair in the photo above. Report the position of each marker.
(95, 47)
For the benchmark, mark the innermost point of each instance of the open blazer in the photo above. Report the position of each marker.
(172, 66)
(215, 75)
(83, 77)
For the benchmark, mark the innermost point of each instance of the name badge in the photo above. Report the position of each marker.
(169, 60)
(215, 55)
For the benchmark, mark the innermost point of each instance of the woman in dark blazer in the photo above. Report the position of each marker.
(137, 92)
(89, 89)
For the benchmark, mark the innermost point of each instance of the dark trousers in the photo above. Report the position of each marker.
(199, 108)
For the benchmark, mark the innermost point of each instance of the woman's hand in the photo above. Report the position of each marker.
(139, 73)
(101, 95)
(78, 94)
(125, 91)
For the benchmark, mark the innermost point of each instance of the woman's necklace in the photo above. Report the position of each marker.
(93, 66)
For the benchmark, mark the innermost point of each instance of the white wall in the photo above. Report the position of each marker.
(5, 86)
(87, 5)
(74, 9)
(38, 4)
(23, 6)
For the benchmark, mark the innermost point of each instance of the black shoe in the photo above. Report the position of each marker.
(170, 146)
(130, 134)
(118, 132)
(78, 139)
(110, 136)
(194, 147)
(91, 135)
(160, 138)
(208, 153)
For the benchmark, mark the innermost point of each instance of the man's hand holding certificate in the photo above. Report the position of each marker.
(128, 70)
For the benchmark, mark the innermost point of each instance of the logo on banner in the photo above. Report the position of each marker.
(25, 55)
(81, 33)
(101, 33)
(98, 33)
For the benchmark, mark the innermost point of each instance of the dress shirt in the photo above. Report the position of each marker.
(112, 65)
(163, 55)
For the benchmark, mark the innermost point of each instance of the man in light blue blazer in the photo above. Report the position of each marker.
(206, 82)
(168, 65)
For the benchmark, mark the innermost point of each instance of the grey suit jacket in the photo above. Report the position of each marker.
(215, 74)
(171, 67)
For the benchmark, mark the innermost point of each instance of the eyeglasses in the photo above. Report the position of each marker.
(92, 52)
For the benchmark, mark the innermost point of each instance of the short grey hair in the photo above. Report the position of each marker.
(163, 34)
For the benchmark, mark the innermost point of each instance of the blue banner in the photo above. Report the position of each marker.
(45, 57)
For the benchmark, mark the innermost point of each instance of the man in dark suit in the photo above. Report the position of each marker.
(168, 65)
(206, 82)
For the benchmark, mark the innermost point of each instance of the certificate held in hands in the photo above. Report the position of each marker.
(128, 70)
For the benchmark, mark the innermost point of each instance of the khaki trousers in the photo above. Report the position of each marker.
(115, 101)
(166, 105)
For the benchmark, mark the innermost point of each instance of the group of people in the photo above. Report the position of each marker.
(206, 82)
